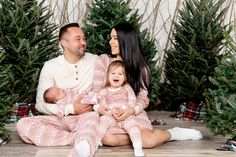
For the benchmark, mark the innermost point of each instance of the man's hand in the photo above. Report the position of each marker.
(81, 108)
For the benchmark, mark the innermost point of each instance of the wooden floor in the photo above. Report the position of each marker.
(200, 148)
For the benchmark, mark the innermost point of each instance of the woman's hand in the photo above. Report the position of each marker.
(103, 110)
(124, 113)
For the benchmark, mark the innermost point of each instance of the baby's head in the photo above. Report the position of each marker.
(116, 74)
(53, 94)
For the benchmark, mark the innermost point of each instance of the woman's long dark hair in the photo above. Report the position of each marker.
(132, 53)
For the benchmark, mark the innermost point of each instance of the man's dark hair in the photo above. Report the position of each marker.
(64, 29)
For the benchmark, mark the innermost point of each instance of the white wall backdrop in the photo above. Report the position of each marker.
(158, 16)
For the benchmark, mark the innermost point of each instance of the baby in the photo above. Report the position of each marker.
(63, 97)
(60, 97)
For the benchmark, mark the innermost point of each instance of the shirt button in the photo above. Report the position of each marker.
(75, 66)
(77, 72)
(76, 78)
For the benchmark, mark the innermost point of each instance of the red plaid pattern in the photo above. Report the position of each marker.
(191, 111)
(20, 110)
(230, 145)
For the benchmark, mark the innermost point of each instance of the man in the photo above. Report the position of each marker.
(71, 70)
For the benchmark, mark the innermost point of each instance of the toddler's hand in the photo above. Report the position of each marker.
(116, 112)
(125, 113)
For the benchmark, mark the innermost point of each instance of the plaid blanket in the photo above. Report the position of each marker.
(20, 110)
(230, 145)
(191, 112)
(2, 142)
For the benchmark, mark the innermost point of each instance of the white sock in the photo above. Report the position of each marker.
(82, 149)
(138, 152)
(100, 144)
(184, 134)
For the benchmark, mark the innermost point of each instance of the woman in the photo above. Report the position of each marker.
(126, 46)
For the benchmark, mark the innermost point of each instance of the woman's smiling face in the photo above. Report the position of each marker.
(114, 43)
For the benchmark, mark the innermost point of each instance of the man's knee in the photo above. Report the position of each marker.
(20, 125)
(21, 129)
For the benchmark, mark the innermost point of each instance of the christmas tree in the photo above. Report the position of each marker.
(221, 98)
(197, 41)
(102, 16)
(27, 40)
(4, 109)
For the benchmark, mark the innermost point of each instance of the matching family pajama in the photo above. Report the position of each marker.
(142, 100)
(50, 130)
